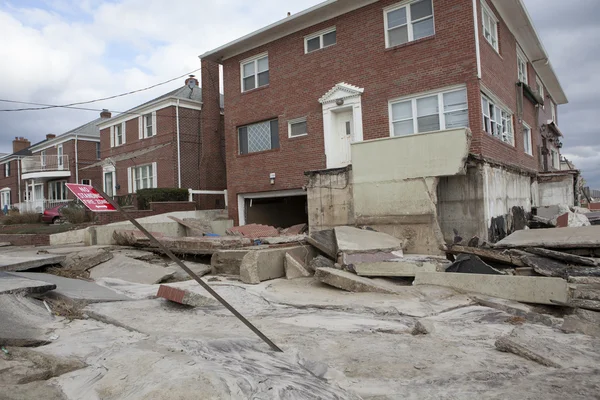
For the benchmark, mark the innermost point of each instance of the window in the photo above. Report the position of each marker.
(297, 127)
(527, 140)
(86, 182)
(5, 200)
(43, 158)
(320, 40)
(144, 177)
(522, 66)
(98, 151)
(259, 137)
(148, 127)
(7, 169)
(57, 190)
(109, 186)
(540, 86)
(553, 109)
(255, 72)
(555, 159)
(445, 110)
(408, 22)
(59, 156)
(117, 135)
(497, 121)
(490, 26)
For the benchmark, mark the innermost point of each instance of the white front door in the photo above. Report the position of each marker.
(339, 154)
(38, 192)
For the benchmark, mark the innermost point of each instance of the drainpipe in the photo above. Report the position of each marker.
(19, 177)
(76, 160)
(178, 146)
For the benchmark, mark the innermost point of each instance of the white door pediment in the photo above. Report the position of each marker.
(341, 91)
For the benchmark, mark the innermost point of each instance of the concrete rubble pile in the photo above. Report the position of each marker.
(562, 216)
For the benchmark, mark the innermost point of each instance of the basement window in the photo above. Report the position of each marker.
(258, 137)
(320, 40)
(297, 127)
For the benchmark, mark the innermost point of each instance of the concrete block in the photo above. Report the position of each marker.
(582, 321)
(354, 240)
(203, 245)
(423, 327)
(294, 268)
(227, 262)
(130, 270)
(550, 212)
(325, 242)
(24, 260)
(320, 262)
(197, 268)
(249, 269)
(350, 282)
(527, 289)
(14, 284)
(23, 321)
(407, 266)
(86, 259)
(564, 238)
(262, 265)
(185, 297)
(517, 309)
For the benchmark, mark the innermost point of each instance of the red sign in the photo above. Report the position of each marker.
(90, 197)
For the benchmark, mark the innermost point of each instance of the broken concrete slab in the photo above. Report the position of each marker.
(517, 309)
(24, 260)
(325, 242)
(320, 262)
(555, 268)
(562, 256)
(15, 284)
(86, 259)
(585, 280)
(564, 238)
(185, 297)
(135, 238)
(262, 265)
(23, 321)
(406, 266)
(249, 269)
(197, 268)
(423, 327)
(253, 231)
(353, 240)
(471, 264)
(487, 254)
(350, 282)
(203, 245)
(135, 253)
(295, 230)
(294, 268)
(586, 292)
(527, 289)
(509, 345)
(75, 289)
(299, 239)
(570, 219)
(131, 270)
(582, 321)
(227, 262)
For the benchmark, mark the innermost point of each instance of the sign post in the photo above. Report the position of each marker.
(97, 201)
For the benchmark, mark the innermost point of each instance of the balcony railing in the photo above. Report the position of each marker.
(43, 163)
(38, 206)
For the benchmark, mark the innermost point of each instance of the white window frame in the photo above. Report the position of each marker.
(151, 178)
(502, 118)
(409, 22)
(414, 99)
(553, 110)
(5, 199)
(527, 139)
(43, 158)
(114, 135)
(109, 170)
(488, 14)
(254, 60)
(555, 158)
(522, 63)
(59, 156)
(297, 121)
(319, 35)
(143, 121)
(7, 169)
(540, 86)
(52, 186)
(88, 180)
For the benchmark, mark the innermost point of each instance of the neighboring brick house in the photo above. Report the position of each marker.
(301, 90)
(10, 169)
(173, 141)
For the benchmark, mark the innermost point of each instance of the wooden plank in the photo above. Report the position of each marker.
(559, 255)
(487, 254)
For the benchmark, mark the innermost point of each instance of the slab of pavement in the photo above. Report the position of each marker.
(10, 283)
(27, 259)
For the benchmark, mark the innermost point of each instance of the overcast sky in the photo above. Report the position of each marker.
(65, 51)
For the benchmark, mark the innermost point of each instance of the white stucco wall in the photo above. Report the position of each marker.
(504, 190)
(558, 190)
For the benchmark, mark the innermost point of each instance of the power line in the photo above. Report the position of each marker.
(45, 107)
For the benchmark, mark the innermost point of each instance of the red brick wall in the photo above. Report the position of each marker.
(298, 80)
(25, 240)
(11, 182)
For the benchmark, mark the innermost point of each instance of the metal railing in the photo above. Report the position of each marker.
(41, 163)
(38, 206)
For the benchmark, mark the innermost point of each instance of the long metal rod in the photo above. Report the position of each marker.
(190, 272)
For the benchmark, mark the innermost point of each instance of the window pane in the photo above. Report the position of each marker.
(259, 137)
(429, 123)
(313, 44)
(423, 29)
(398, 36)
(457, 119)
(421, 9)
(455, 100)
(404, 128)
(402, 110)
(263, 64)
(427, 106)
(263, 78)
(299, 128)
(249, 83)
(396, 18)
(329, 38)
(249, 69)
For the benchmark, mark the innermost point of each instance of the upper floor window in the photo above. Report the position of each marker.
(7, 169)
(59, 154)
(255, 72)
(490, 26)
(297, 127)
(527, 145)
(259, 137)
(117, 135)
(408, 21)
(148, 126)
(98, 151)
(522, 66)
(540, 86)
(320, 40)
(553, 109)
(497, 121)
(555, 159)
(445, 110)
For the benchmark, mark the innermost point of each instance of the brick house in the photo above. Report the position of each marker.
(173, 141)
(304, 93)
(10, 167)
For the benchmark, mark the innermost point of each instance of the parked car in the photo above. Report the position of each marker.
(55, 215)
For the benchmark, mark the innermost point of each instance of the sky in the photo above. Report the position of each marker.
(66, 51)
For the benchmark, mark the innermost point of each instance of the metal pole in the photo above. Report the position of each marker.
(190, 272)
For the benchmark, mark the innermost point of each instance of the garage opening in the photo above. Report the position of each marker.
(280, 212)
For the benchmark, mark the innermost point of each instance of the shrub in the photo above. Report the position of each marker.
(75, 213)
(14, 218)
(147, 196)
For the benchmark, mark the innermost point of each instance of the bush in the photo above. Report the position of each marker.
(147, 196)
(76, 213)
(14, 218)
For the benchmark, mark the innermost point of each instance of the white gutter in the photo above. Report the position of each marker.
(76, 161)
(178, 146)
(477, 49)
(19, 177)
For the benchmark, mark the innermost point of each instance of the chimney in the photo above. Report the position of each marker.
(50, 136)
(192, 82)
(105, 114)
(20, 143)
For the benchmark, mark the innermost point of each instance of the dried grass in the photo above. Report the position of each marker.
(69, 310)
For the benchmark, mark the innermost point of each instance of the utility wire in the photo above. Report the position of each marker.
(45, 106)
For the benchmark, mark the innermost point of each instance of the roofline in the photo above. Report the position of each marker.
(62, 139)
(517, 18)
(169, 101)
(295, 23)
